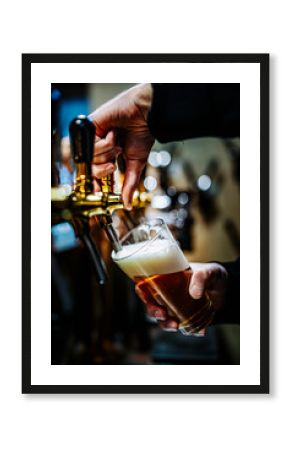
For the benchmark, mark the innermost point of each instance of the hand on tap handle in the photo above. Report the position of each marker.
(125, 117)
(104, 163)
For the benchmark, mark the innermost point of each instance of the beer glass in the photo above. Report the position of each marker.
(152, 258)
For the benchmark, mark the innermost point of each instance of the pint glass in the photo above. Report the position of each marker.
(153, 259)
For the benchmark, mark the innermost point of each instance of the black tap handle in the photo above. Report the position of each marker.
(82, 137)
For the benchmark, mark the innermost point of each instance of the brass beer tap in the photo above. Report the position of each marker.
(82, 203)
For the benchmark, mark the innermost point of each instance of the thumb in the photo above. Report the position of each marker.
(197, 284)
(133, 172)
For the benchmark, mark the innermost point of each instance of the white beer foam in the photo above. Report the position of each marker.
(160, 256)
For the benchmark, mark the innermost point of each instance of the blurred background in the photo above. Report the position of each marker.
(195, 189)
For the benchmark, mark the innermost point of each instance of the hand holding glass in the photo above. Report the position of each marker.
(153, 259)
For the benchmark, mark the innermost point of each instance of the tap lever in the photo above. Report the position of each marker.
(82, 136)
(107, 184)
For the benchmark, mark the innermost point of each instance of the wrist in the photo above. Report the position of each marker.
(143, 94)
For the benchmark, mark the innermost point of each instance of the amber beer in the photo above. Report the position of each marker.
(161, 271)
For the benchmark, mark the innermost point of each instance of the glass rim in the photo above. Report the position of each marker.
(148, 242)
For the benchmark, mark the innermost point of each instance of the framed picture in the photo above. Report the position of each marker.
(189, 135)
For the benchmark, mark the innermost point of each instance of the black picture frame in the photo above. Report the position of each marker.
(27, 61)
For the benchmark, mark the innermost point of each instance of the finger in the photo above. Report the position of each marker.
(169, 325)
(197, 284)
(157, 312)
(106, 156)
(105, 143)
(96, 186)
(110, 139)
(102, 170)
(133, 172)
(201, 333)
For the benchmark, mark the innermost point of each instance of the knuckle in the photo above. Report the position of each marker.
(101, 159)
(108, 145)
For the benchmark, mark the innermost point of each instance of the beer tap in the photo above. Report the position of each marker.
(81, 204)
(82, 136)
